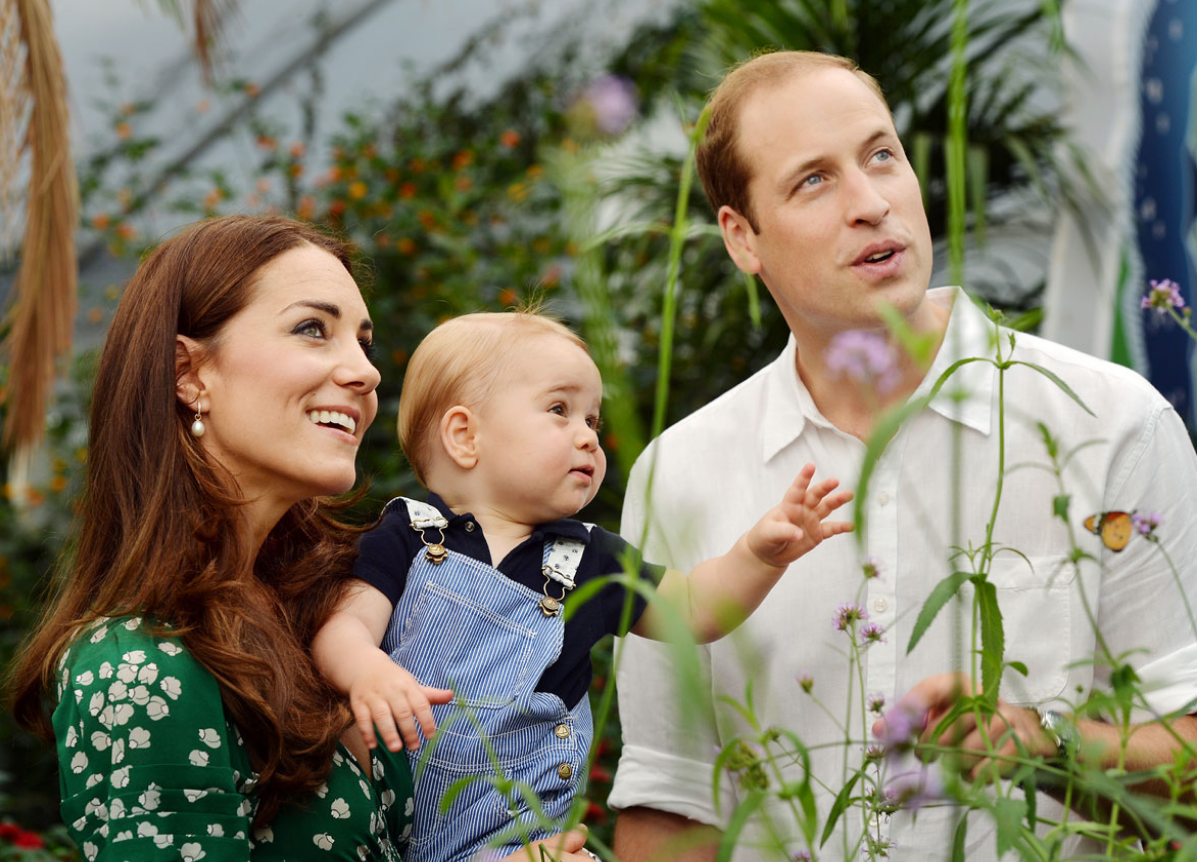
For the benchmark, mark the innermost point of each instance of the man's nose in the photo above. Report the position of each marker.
(866, 202)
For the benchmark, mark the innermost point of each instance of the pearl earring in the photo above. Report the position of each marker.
(197, 427)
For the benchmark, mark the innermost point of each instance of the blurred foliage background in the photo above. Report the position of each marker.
(455, 204)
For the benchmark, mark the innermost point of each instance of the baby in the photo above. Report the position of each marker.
(464, 593)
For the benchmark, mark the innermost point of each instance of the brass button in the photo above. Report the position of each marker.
(469, 526)
(562, 731)
(565, 771)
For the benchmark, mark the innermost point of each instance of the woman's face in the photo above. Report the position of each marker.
(288, 389)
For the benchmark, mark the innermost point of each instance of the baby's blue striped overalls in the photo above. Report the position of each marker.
(463, 624)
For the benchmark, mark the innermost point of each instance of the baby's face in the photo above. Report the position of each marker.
(539, 456)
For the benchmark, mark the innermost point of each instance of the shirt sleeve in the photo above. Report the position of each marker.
(147, 771)
(613, 556)
(1149, 589)
(385, 554)
(670, 739)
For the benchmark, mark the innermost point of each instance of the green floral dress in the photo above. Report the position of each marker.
(152, 768)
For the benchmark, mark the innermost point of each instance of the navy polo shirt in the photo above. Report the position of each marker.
(387, 551)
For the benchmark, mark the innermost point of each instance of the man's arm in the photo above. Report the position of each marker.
(649, 835)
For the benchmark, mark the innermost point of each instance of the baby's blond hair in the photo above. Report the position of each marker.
(458, 363)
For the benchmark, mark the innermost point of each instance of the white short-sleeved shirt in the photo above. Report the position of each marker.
(720, 469)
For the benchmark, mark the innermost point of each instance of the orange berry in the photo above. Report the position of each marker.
(100, 221)
(406, 245)
(124, 131)
(357, 190)
(510, 138)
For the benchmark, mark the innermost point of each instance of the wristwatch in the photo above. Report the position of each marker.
(1062, 731)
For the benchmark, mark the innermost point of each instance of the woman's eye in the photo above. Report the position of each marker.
(314, 328)
(368, 347)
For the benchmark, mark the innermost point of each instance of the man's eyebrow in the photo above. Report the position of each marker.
(333, 311)
(785, 184)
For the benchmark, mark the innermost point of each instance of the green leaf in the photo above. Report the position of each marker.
(1060, 506)
(958, 839)
(993, 640)
(939, 597)
(1008, 814)
(736, 825)
(842, 800)
(1055, 378)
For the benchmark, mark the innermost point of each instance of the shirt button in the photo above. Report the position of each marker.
(882, 498)
(565, 771)
(469, 526)
(562, 731)
(880, 605)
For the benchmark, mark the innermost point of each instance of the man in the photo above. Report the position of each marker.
(814, 194)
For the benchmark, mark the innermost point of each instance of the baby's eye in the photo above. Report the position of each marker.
(313, 328)
(558, 409)
(595, 423)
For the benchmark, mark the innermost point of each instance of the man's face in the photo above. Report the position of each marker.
(841, 218)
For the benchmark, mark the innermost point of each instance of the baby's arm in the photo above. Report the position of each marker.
(380, 691)
(719, 594)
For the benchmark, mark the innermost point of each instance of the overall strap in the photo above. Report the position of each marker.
(423, 515)
(562, 557)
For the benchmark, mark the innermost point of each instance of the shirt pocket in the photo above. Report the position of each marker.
(1035, 598)
(451, 641)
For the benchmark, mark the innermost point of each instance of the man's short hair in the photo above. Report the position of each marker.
(458, 363)
(721, 166)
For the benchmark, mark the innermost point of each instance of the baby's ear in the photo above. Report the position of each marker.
(459, 429)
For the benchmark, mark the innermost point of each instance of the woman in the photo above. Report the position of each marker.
(229, 403)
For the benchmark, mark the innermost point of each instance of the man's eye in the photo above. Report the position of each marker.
(811, 181)
(884, 155)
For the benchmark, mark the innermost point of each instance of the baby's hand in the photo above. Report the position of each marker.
(383, 694)
(796, 525)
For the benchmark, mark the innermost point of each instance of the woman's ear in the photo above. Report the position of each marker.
(459, 436)
(188, 385)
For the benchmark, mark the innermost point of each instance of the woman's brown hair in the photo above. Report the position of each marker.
(159, 529)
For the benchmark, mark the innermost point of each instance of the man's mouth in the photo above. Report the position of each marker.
(333, 419)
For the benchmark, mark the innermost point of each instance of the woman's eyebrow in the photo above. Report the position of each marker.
(333, 311)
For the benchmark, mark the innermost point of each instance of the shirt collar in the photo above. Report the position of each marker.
(789, 405)
(566, 527)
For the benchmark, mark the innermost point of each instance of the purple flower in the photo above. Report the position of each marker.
(847, 614)
(871, 567)
(801, 856)
(611, 102)
(875, 701)
(1145, 524)
(865, 357)
(871, 633)
(1162, 296)
(913, 790)
(901, 726)
(805, 681)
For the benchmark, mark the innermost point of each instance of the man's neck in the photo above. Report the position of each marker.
(854, 407)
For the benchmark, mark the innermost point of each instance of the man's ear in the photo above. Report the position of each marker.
(459, 436)
(189, 386)
(740, 239)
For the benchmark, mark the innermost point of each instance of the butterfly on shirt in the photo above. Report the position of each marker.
(1115, 528)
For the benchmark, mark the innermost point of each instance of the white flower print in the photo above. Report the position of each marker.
(264, 835)
(79, 824)
(116, 716)
(365, 787)
(150, 799)
(94, 779)
(378, 771)
(100, 740)
(96, 704)
(410, 807)
(209, 737)
(363, 852)
(96, 808)
(387, 798)
(145, 829)
(98, 634)
(118, 751)
(324, 841)
(85, 678)
(79, 763)
(340, 809)
(136, 656)
(120, 777)
(171, 649)
(126, 672)
(193, 795)
(71, 739)
(157, 708)
(90, 851)
(139, 737)
(127, 835)
(322, 791)
(406, 833)
(132, 623)
(106, 670)
(118, 691)
(375, 822)
(140, 695)
(216, 830)
(163, 841)
(148, 674)
(192, 851)
(337, 758)
(198, 758)
(78, 695)
(116, 809)
(171, 687)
